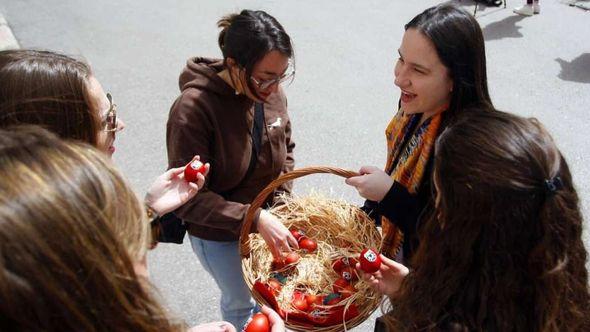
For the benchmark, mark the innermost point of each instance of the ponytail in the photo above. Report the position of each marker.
(224, 23)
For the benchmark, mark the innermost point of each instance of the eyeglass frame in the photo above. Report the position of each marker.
(264, 85)
(110, 122)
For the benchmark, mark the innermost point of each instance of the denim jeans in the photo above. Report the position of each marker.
(223, 262)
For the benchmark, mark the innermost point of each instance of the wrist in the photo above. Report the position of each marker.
(151, 212)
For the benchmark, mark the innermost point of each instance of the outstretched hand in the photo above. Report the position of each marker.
(276, 322)
(373, 183)
(388, 279)
(213, 327)
(170, 191)
(275, 234)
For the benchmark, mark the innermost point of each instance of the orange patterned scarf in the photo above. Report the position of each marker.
(412, 158)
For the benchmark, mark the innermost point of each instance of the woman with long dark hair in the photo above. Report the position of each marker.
(233, 113)
(73, 237)
(504, 248)
(61, 94)
(441, 70)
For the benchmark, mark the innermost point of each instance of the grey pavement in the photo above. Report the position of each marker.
(340, 102)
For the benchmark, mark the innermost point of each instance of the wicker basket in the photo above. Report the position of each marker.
(346, 235)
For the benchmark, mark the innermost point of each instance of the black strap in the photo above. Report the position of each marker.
(256, 135)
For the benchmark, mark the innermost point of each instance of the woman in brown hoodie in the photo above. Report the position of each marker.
(233, 113)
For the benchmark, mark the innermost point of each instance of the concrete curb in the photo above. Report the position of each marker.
(7, 39)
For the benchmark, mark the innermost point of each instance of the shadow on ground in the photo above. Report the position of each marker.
(577, 70)
(505, 28)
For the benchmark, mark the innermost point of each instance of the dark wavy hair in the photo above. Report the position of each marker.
(505, 252)
(248, 36)
(50, 90)
(459, 43)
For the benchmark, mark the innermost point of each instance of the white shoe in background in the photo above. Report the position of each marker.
(526, 10)
(536, 7)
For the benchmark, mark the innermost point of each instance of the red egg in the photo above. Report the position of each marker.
(192, 169)
(297, 233)
(339, 285)
(349, 274)
(370, 260)
(292, 258)
(313, 299)
(258, 323)
(278, 264)
(300, 304)
(347, 291)
(307, 245)
(275, 286)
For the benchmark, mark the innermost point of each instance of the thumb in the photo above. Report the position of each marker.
(391, 264)
(369, 169)
(353, 181)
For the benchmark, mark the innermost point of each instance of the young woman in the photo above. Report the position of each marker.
(61, 94)
(73, 236)
(440, 71)
(233, 113)
(504, 250)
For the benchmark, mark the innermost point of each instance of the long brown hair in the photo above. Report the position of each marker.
(71, 230)
(250, 35)
(50, 90)
(505, 252)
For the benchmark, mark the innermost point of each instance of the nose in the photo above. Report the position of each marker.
(273, 88)
(120, 124)
(401, 78)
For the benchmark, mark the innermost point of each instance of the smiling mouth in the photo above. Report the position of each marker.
(407, 97)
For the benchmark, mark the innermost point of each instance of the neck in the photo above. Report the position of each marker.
(226, 77)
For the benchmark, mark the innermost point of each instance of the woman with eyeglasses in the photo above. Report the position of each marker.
(73, 237)
(233, 113)
(61, 94)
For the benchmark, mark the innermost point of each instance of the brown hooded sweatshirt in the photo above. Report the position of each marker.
(210, 120)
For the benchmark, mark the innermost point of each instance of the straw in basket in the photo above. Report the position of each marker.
(341, 230)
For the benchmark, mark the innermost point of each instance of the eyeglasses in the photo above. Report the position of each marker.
(109, 123)
(263, 85)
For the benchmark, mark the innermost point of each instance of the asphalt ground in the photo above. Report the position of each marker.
(340, 101)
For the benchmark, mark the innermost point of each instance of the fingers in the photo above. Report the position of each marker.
(368, 169)
(174, 172)
(387, 264)
(200, 180)
(354, 181)
(276, 322)
(207, 167)
(292, 241)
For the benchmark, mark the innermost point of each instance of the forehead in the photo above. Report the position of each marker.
(273, 63)
(418, 48)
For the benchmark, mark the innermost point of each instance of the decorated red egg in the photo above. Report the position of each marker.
(192, 169)
(370, 260)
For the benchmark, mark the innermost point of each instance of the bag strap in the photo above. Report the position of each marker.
(256, 136)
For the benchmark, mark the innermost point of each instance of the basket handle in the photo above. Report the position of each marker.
(261, 198)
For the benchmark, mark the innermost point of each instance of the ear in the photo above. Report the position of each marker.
(231, 63)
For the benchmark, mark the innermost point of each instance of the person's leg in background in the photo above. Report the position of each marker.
(532, 7)
(222, 260)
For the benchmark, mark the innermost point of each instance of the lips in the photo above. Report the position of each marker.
(407, 97)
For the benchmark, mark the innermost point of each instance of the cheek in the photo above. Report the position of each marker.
(102, 141)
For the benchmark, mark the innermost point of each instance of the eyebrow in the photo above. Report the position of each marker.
(413, 63)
